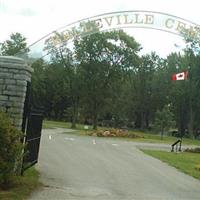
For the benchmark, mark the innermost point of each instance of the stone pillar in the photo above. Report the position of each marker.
(14, 75)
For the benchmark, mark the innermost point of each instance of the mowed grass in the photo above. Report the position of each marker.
(23, 186)
(145, 136)
(185, 162)
(56, 124)
(155, 138)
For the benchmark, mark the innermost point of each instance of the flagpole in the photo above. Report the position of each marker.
(182, 102)
(180, 77)
(190, 105)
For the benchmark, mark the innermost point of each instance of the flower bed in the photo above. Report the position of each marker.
(115, 133)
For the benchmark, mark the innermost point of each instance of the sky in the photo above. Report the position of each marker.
(36, 18)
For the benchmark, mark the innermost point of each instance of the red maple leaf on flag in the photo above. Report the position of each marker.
(180, 76)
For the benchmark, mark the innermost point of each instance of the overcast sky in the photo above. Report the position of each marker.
(36, 18)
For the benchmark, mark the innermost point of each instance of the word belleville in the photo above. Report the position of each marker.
(143, 20)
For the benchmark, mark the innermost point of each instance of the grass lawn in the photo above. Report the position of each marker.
(185, 162)
(23, 186)
(56, 124)
(146, 137)
(155, 138)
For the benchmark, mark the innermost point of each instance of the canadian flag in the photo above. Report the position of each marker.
(180, 76)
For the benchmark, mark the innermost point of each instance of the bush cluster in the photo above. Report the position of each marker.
(193, 150)
(11, 150)
(198, 167)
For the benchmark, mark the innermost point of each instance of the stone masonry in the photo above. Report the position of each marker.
(14, 75)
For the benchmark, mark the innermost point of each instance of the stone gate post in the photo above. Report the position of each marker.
(14, 75)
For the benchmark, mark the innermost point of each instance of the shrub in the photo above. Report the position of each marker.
(193, 150)
(10, 151)
(198, 167)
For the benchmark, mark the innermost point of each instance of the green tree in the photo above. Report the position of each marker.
(164, 120)
(62, 57)
(145, 89)
(51, 88)
(16, 44)
(190, 61)
(103, 59)
(184, 94)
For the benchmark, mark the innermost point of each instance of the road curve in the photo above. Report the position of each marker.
(86, 168)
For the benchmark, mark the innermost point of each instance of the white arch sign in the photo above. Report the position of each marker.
(117, 20)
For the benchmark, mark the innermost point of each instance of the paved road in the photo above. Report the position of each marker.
(84, 168)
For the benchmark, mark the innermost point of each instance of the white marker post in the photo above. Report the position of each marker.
(114, 144)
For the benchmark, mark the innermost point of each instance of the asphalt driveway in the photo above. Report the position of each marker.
(74, 167)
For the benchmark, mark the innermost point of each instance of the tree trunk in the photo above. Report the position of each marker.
(75, 112)
(138, 121)
(95, 120)
(191, 114)
(191, 122)
(95, 114)
(162, 133)
(73, 116)
(73, 122)
(143, 120)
